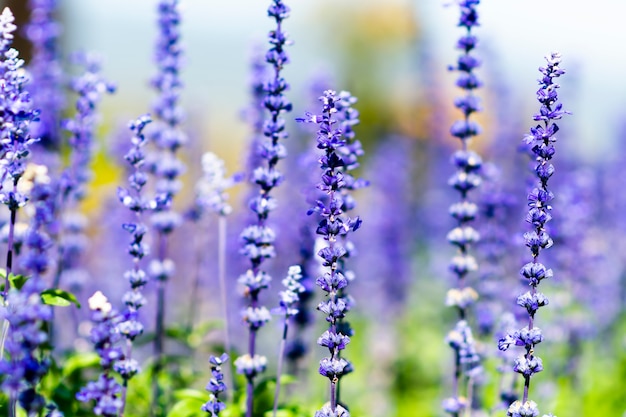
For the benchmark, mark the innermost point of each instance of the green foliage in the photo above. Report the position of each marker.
(59, 298)
(15, 281)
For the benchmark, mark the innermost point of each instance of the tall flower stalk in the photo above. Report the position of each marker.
(168, 136)
(106, 390)
(212, 198)
(133, 199)
(258, 238)
(541, 141)
(44, 31)
(289, 299)
(334, 226)
(216, 386)
(15, 140)
(90, 88)
(463, 236)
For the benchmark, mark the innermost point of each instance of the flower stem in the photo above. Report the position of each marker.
(7, 282)
(221, 273)
(159, 332)
(279, 369)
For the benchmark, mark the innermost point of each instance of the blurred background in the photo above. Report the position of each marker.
(393, 55)
(390, 49)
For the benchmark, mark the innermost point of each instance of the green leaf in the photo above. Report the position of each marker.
(80, 361)
(18, 281)
(280, 413)
(187, 408)
(59, 298)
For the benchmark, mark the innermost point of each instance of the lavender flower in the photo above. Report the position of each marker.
(24, 311)
(90, 88)
(216, 386)
(43, 31)
(211, 197)
(211, 187)
(467, 178)
(24, 366)
(15, 141)
(258, 238)
(104, 335)
(289, 299)
(130, 327)
(168, 136)
(333, 226)
(541, 141)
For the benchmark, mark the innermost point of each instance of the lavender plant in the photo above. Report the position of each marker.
(211, 197)
(130, 326)
(90, 88)
(541, 140)
(43, 31)
(468, 163)
(15, 140)
(27, 362)
(289, 299)
(106, 390)
(258, 238)
(168, 137)
(333, 226)
(216, 386)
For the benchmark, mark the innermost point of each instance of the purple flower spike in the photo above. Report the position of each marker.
(43, 31)
(258, 239)
(106, 391)
(216, 386)
(129, 325)
(463, 236)
(541, 141)
(335, 138)
(168, 136)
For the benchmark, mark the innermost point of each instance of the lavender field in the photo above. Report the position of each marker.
(325, 209)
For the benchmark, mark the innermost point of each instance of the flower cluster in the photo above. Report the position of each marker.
(131, 327)
(290, 296)
(468, 164)
(43, 31)
(90, 88)
(334, 225)
(16, 115)
(166, 132)
(23, 366)
(258, 238)
(104, 335)
(168, 136)
(211, 187)
(216, 386)
(24, 312)
(541, 140)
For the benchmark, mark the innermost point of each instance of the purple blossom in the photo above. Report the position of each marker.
(129, 325)
(463, 236)
(105, 391)
(211, 188)
(336, 118)
(258, 238)
(541, 141)
(90, 88)
(43, 31)
(216, 386)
